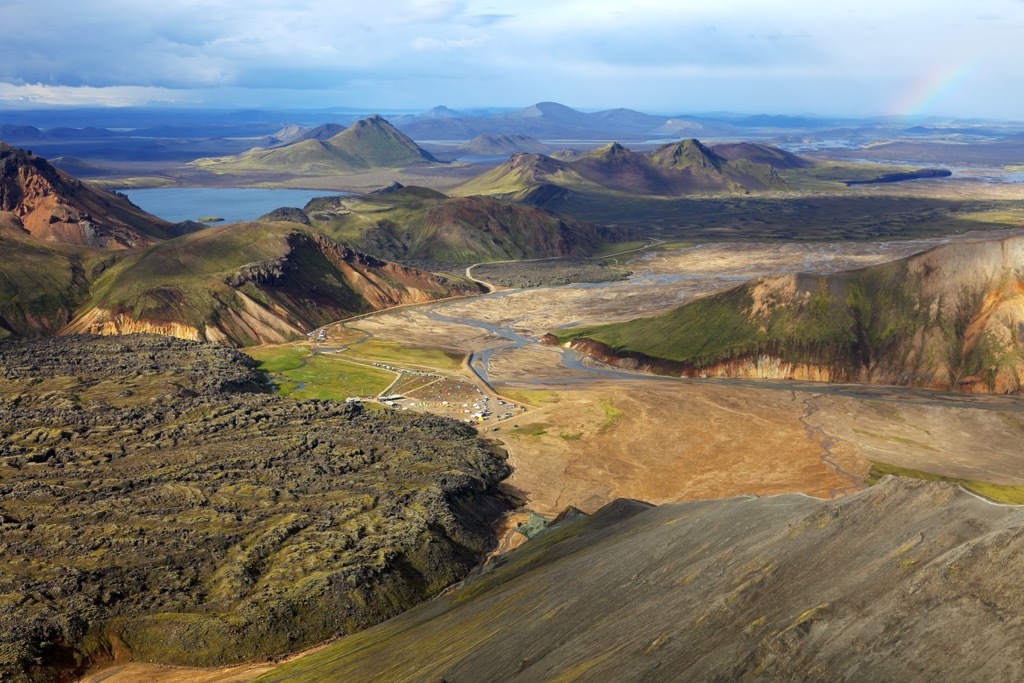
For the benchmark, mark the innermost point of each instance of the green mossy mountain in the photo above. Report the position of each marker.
(421, 224)
(156, 504)
(249, 283)
(948, 318)
(371, 143)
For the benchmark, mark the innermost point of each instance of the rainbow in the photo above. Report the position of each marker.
(933, 90)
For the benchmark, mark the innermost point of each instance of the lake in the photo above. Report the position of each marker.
(178, 204)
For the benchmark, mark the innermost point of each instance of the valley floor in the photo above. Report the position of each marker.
(582, 435)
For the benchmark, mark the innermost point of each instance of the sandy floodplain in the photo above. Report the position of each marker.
(588, 438)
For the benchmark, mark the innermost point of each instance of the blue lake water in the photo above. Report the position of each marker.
(177, 204)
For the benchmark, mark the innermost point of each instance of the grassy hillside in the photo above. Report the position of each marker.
(522, 174)
(42, 283)
(948, 318)
(896, 582)
(158, 507)
(249, 283)
(416, 223)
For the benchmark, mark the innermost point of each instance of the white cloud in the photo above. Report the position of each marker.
(451, 44)
(623, 54)
(37, 94)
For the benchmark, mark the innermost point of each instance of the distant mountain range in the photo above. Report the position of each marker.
(550, 120)
(111, 136)
(676, 168)
(948, 318)
(673, 169)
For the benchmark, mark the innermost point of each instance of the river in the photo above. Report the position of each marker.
(515, 318)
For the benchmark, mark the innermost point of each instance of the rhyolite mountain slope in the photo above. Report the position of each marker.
(907, 580)
(949, 318)
(56, 207)
(57, 235)
(368, 144)
(156, 506)
(116, 269)
(418, 223)
(250, 283)
(673, 169)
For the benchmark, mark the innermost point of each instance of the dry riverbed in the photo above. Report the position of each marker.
(588, 439)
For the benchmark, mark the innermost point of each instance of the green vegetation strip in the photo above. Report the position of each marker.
(392, 352)
(535, 397)
(619, 247)
(1000, 493)
(298, 374)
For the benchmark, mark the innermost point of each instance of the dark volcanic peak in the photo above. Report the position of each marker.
(56, 207)
(907, 580)
(609, 151)
(380, 143)
(618, 168)
(687, 153)
(760, 153)
(673, 169)
(536, 162)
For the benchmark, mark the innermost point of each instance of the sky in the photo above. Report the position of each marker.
(957, 58)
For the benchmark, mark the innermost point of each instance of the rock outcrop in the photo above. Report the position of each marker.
(55, 207)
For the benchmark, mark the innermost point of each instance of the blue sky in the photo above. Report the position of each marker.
(832, 57)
